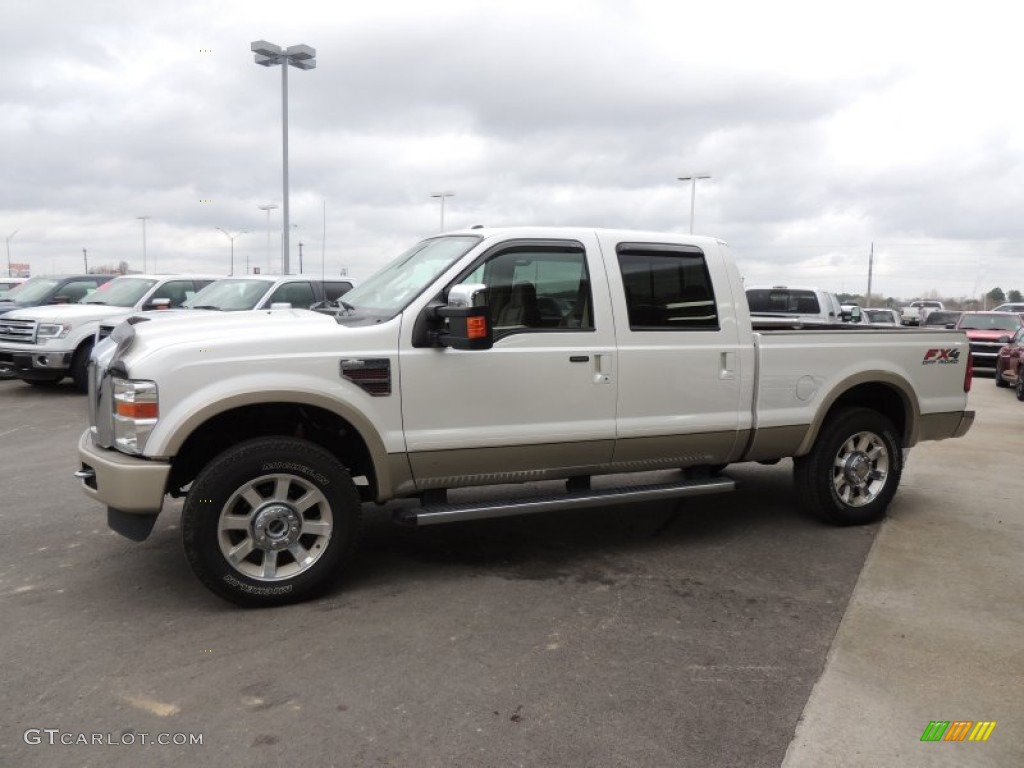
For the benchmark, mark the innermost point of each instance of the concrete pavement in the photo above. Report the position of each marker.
(935, 627)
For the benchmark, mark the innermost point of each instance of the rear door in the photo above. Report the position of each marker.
(679, 356)
(539, 403)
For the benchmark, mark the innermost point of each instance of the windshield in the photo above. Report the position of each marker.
(120, 292)
(230, 295)
(35, 289)
(388, 291)
(978, 322)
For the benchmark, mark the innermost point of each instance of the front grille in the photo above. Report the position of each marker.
(18, 331)
(985, 353)
(100, 406)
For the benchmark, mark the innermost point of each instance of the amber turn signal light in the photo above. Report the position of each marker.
(137, 410)
(476, 327)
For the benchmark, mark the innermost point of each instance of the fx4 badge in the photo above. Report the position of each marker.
(942, 357)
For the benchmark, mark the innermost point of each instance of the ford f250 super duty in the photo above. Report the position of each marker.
(493, 356)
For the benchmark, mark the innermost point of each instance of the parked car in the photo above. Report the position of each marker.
(791, 305)
(446, 373)
(916, 311)
(42, 345)
(1013, 306)
(988, 332)
(7, 283)
(941, 318)
(37, 291)
(881, 316)
(1010, 364)
(248, 292)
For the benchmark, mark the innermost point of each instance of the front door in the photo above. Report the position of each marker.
(541, 402)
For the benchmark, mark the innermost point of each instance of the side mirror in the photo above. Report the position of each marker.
(469, 321)
(951, 326)
(61, 299)
(159, 304)
(281, 305)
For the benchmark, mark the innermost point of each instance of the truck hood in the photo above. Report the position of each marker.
(977, 334)
(69, 313)
(209, 329)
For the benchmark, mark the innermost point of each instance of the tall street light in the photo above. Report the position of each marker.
(442, 196)
(143, 219)
(692, 178)
(300, 57)
(9, 237)
(232, 239)
(268, 208)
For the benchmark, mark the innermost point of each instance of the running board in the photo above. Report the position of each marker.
(449, 513)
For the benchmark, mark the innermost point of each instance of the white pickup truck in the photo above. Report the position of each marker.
(42, 345)
(916, 312)
(493, 356)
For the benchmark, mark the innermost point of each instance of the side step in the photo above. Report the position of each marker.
(449, 513)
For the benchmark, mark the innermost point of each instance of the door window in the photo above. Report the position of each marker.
(536, 288)
(667, 289)
(298, 294)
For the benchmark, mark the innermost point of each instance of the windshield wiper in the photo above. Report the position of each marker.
(206, 306)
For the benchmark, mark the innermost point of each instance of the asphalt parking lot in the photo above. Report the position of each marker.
(647, 635)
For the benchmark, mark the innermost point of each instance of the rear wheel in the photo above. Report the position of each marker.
(1019, 387)
(270, 521)
(853, 470)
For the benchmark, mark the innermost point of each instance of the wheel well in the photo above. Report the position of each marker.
(888, 401)
(318, 425)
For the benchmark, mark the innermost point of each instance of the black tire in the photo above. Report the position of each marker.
(853, 470)
(276, 473)
(1019, 388)
(80, 366)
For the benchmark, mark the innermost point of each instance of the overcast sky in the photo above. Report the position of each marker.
(825, 127)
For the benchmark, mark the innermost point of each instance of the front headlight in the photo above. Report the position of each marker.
(48, 331)
(136, 411)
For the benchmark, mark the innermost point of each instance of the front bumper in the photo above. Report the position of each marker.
(34, 363)
(124, 483)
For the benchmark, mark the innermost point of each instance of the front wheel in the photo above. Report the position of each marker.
(80, 367)
(1019, 387)
(270, 521)
(853, 470)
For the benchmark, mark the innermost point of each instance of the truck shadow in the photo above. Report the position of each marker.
(599, 545)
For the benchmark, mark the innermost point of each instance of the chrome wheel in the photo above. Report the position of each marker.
(860, 469)
(275, 527)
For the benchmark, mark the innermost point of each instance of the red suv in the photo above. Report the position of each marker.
(987, 333)
(1010, 364)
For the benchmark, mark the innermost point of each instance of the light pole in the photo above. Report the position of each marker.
(268, 208)
(9, 237)
(143, 219)
(232, 239)
(692, 178)
(296, 228)
(85, 258)
(300, 57)
(442, 196)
